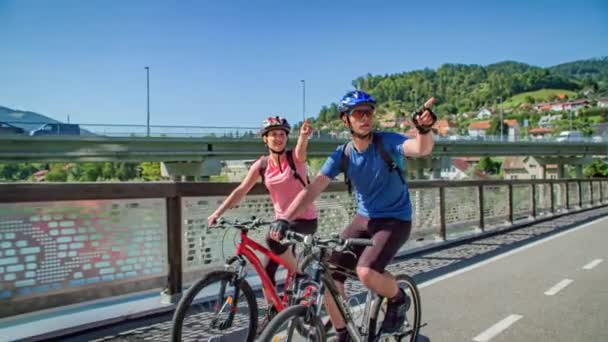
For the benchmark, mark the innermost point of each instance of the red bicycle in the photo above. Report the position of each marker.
(222, 302)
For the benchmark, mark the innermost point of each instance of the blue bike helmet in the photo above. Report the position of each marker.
(354, 98)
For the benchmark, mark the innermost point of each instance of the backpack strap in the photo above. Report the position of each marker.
(262, 169)
(292, 166)
(346, 148)
(392, 166)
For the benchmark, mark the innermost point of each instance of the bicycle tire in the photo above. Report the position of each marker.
(412, 290)
(289, 314)
(217, 276)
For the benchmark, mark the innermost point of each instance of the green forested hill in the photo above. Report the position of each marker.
(461, 88)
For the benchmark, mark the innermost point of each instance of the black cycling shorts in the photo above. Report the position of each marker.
(388, 234)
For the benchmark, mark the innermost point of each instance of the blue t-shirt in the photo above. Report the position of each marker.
(379, 191)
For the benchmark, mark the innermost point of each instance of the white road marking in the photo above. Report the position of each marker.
(592, 264)
(497, 328)
(504, 255)
(558, 287)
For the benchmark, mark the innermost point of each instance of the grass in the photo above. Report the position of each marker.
(538, 95)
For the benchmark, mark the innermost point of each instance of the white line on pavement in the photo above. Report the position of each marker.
(558, 287)
(504, 255)
(592, 264)
(497, 328)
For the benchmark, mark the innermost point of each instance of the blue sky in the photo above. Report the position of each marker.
(231, 63)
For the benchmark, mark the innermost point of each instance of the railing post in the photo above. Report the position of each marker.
(601, 193)
(552, 197)
(580, 194)
(591, 193)
(511, 203)
(481, 212)
(442, 226)
(534, 201)
(173, 290)
(567, 195)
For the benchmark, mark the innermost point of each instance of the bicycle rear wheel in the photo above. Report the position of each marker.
(295, 323)
(412, 327)
(219, 304)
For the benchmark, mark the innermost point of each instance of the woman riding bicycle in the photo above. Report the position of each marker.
(284, 174)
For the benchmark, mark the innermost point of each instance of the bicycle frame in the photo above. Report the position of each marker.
(357, 334)
(246, 248)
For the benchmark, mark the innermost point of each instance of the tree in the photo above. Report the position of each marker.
(126, 171)
(495, 127)
(489, 166)
(90, 172)
(150, 171)
(107, 170)
(8, 171)
(57, 173)
(596, 169)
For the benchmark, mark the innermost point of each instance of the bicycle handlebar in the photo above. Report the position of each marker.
(337, 244)
(241, 225)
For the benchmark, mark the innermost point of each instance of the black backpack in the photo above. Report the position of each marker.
(377, 141)
(292, 166)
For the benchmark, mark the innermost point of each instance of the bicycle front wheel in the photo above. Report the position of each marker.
(295, 323)
(412, 324)
(220, 304)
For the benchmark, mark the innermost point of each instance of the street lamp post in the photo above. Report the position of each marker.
(303, 100)
(148, 100)
(501, 120)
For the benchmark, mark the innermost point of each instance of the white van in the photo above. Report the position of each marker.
(569, 136)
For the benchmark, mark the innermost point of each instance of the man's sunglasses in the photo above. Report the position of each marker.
(360, 113)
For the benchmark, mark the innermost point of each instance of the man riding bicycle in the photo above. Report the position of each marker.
(374, 163)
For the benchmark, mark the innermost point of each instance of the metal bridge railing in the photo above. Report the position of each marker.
(62, 244)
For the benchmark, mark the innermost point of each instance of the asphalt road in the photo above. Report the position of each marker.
(555, 289)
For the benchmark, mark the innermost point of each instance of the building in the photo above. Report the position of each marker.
(547, 120)
(562, 106)
(388, 124)
(460, 169)
(444, 128)
(478, 128)
(514, 129)
(483, 113)
(540, 133)
(527, 168)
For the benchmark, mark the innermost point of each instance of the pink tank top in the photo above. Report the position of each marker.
(284, 187)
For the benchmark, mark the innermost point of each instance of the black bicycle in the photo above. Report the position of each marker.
(363, 321)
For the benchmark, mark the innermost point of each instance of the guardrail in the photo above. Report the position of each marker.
(247, 132)
(62, 244)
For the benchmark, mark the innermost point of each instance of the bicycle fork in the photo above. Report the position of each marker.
(229, 303)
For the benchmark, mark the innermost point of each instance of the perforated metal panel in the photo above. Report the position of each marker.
(210, 247)
(573, 197)
(461, 209)
(49, 247)
(561, 196)
(585, 193)
(543, 199)
(496, 204)
(522, 201)
(596, 192)
(425, 212)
